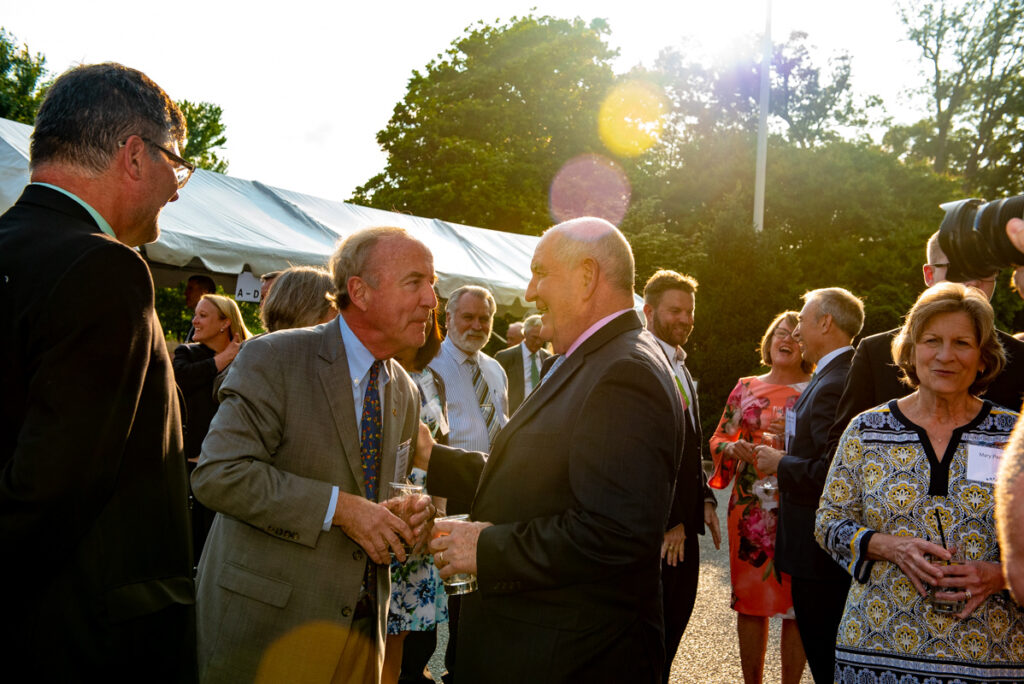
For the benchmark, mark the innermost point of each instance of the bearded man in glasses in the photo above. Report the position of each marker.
(93, 498)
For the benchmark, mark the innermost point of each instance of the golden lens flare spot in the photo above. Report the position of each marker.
(631, 118)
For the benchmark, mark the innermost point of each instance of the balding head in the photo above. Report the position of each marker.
(582, 272)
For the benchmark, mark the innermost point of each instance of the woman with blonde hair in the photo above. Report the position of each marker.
(219, 333)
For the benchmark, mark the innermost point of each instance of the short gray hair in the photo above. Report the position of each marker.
(531, 322)
(352, 259)
(598, 239)
(846, 310)
(91, 109)
(475, 290)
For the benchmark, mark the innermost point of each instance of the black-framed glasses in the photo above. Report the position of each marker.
(990, 279)
(183, 168)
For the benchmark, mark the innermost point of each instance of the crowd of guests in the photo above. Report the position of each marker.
(865, 481)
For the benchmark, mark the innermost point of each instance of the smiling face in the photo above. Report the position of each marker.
(208, 322)
(469, 325)
(158, 185)
(672, 319)
(556, 289)
(785, 352)
(808, 332)
(946, 355)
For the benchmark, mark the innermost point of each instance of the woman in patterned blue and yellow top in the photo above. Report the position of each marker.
(907, 475)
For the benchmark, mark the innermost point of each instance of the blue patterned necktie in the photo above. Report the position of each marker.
(369, 433)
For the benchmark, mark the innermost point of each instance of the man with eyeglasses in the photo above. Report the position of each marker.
(874, 379)
(93, 497)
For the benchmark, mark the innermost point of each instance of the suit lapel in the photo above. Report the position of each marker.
(392, 429)
(549, 389)
(337, 385)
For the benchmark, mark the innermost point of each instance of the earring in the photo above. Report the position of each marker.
(222, 329)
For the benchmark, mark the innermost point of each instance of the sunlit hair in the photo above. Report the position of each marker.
(90, 110)
(791, 318)
(932, 251)
(663, 281)
(475, 290)
(432, 346)
(595, 238)
(846, 310)
(298, 298)
(947, 297)
(228, 309)
(352, 259)
(531, 322)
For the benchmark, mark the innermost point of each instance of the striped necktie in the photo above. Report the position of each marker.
(482, 391)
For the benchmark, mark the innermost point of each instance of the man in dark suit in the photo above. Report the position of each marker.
(522, 363)
(93, 498)
(573, 500)
(829, 321)
(874, 379)
(669, 304)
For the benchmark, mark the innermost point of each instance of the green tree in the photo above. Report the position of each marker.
(971, 52)
(486, 126)
(23, 80)
(205, 135)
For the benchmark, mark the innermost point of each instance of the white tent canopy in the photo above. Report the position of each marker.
(223, 226)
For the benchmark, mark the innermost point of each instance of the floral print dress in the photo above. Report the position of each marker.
(757, 587)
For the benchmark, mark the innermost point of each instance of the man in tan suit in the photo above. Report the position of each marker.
(313, 424)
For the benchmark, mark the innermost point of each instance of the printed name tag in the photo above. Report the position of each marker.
(983, 463)
(402, 461)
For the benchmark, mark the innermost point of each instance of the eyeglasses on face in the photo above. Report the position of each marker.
(182, 167)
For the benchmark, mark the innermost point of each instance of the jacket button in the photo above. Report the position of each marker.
(346, 612)
(358, 555)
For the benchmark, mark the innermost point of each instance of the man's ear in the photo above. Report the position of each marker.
(590, 272)
(129, 157)
(358, 293)
(929, 275)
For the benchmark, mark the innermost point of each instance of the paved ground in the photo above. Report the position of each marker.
(709, 652)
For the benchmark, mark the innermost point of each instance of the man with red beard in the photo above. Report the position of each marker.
(668, 308)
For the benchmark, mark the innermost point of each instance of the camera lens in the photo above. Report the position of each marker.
(973, 237)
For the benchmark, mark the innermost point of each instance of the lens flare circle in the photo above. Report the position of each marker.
(590, 185)
(631, 118)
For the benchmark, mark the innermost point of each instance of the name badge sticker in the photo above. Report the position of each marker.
(983, 463)
(402, 461)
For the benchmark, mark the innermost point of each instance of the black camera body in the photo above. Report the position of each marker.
(973, 237)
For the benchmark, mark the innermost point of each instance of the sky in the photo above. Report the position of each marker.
(305, 86)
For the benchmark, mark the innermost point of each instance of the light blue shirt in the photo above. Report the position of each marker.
(359, 362)
(100, 221)
(827, 358)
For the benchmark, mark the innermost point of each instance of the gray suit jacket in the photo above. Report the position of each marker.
(285, 433)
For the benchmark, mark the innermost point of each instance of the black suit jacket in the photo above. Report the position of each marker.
(874, 380)
(93, 497)
(194, 371)
(802, 474)
(578, 487)
(512, 361)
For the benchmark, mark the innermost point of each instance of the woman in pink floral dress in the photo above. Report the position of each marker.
(759, 591)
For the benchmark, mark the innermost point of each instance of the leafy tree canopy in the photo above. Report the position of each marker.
(205, 135)
(483, 130)
(23, 80)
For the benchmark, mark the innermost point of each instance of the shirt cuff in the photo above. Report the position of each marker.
(418, 476)
(329, 518)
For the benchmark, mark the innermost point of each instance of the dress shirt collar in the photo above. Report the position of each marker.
(359, 357)
(460, 356)
(674, 354)
(827, 358)
(100, 221)
(593, 329)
